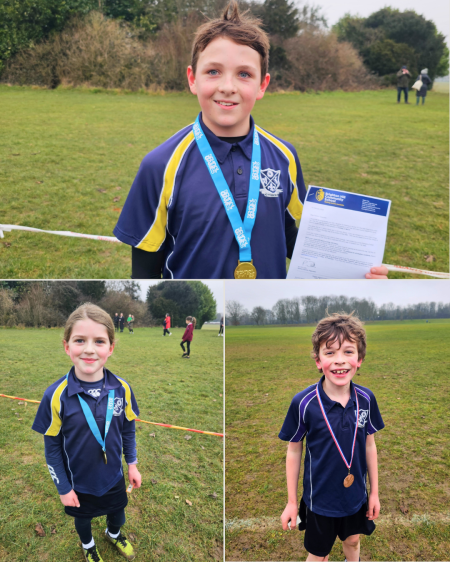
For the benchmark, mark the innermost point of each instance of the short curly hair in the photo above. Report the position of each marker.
(340, 327)
(240, 28)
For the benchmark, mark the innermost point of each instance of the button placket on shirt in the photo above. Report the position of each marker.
(238, 161)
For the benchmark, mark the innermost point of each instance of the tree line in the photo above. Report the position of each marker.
(135, 44)
(49, 303)
(310, 309)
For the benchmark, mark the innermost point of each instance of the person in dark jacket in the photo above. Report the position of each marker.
(116, 322)
(187, 336)
(426, 81)
(403, 76)
(221, 327)
(121, 321)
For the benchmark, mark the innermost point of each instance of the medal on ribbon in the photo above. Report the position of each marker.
(349, 479)
(93, 424)
(242, 230)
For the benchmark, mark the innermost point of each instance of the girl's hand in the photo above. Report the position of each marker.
(134, 476)
(378, 273)
(374, 507)
(290, 513)
(70, 499)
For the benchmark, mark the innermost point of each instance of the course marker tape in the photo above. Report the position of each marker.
(137, 419)
(10, 227)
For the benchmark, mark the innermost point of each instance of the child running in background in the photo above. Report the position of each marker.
(166, 324)
(130, 321)
(87, 419)
(187, 336)
(221, 327)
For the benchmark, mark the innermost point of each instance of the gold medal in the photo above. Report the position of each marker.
(104, 457)
(245, 270)
(348, 480)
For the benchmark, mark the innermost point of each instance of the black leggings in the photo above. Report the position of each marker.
(113, 520)
(166, 331)
(188, 343)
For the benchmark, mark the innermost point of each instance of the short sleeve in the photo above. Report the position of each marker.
(298, 194)
(142, 223)
(375, 420)
(49, 416)
(43, 418)
(294, 428)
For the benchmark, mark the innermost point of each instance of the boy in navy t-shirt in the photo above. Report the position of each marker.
(339, 420)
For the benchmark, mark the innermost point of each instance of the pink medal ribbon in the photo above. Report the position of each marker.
(348, 480)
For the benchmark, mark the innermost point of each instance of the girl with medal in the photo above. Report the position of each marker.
(87, 419)
(339, 420)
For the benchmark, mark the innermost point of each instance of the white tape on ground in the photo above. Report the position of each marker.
(10, 227)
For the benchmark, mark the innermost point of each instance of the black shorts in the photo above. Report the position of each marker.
(321, 531)
(91, 506)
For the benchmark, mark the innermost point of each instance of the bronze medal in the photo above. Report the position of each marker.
(104, 457)
(348, 480)
(245, 270)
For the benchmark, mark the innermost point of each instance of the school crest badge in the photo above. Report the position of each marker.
(118, 406)
(363, 417)
(270, 180)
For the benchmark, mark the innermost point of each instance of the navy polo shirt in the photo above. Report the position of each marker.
(173, 205)
(60, 411)
(324, 470)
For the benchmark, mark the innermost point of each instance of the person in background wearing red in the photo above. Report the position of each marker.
(166, 324)
(187, 336)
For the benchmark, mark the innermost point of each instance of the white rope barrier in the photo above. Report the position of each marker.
(10, 227)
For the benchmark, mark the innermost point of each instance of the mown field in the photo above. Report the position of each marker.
(404, 367)
(68, 159)
(174, 469)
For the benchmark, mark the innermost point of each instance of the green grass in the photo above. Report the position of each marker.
(168, 390)
(66, 154)
(404, 367)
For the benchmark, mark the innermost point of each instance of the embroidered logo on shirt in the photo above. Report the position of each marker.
(270, 180)
(118, 406)
(94, 392)
(53, 473)
(363, 417)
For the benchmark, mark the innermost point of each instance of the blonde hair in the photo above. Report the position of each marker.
(92, 312)
(339, 327)
(240, 28)
(191, 319)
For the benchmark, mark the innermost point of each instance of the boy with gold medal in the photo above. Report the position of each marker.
(339, 420)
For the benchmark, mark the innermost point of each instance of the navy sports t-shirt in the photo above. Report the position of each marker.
(324, 468)
(173, 205)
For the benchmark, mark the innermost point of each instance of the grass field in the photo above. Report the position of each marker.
(267, 366)
(68, 158)
(168, 390)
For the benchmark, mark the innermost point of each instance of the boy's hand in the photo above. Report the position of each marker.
(134, 476)
(70, 499)
(380, 272)
(374, 507)
(289, 514)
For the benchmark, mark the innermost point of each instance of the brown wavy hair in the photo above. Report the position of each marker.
(93, 312)
(339, 327)
(240, 28)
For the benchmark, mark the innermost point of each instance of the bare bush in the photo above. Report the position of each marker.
(318, 61)
(115, 301)
(7, 312)
(35, 309)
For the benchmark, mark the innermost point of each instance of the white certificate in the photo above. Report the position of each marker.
(341, 235)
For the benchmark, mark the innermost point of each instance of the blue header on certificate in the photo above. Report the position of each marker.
(346, 200)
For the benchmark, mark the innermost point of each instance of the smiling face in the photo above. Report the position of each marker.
(339, 362)
(227, 83)
(88, 348)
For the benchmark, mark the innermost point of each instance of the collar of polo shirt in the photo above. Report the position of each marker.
(328, 403)
(74, 387)
(222, 148)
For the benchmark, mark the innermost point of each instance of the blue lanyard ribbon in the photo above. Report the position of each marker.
(93, 424)
(242, 230)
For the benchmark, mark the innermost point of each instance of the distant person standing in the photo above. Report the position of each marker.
(116, 321)
(121, 321)
(130, 321)
(221, 327)
(426, 81)
(187, 336)
(166, 324)
(403, 77)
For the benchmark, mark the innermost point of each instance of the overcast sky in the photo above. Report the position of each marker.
(435, 10)
(215, 286)
(399, 291)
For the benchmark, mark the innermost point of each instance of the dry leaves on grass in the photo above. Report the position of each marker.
(101, 190)
(403, 509)
(213, 496)
(40, 530)
(152, 434)
(429, 258)
(116, 199)
(132, 537)
(188, 502)
(154, 481)
(53, 531)
(187, 437)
